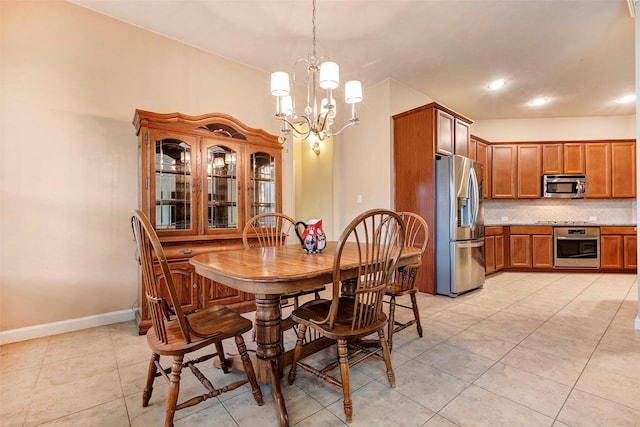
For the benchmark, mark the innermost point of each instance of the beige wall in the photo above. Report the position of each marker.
(71, 80)
(556, 129)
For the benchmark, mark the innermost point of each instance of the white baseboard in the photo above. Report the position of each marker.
(38, 331)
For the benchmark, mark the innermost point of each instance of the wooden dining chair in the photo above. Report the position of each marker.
(274, 229)
(176, 334)
(378, 236)
(403, 281)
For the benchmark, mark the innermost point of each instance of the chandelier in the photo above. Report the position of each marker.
(316, 123)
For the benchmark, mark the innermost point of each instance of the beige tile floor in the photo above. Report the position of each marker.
(527, 350)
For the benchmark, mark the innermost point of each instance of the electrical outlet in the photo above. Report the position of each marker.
(593, 219)
(504, 218)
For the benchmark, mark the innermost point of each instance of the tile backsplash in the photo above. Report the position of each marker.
(600, 212)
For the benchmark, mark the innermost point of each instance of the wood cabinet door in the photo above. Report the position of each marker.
(503, 180)
(598, 169)
(552, 159)
(445, 133)
(630, 252)
(520, 249)
(462, 135)
(185, 281)
(499, 251)
(611, 251)
(574, 158)
(483, 155)
(473, 149)
(489, 254)
(623, 168)
(529, 166)
(214, 293)
(542, 251)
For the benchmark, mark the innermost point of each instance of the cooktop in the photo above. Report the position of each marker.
(566, 223)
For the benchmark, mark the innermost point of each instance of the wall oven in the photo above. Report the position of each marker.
(576, 247)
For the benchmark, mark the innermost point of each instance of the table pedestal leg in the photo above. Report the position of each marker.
(269, 347)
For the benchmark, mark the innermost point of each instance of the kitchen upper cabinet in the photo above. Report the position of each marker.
(611, 169)
(452, 130)
(552, 159)
(574, 158)
(462, 138)
(598, 170)
(483, 155)
(563, 158)
(504, 171)
(529, 166)
(623, 168)
(445, 142)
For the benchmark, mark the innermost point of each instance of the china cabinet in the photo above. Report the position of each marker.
(201, 178)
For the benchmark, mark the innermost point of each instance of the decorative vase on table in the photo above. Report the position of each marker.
(313, 239)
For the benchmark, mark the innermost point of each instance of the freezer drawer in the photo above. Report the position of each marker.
(466, 269)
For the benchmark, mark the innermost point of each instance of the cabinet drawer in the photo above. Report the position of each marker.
(531, 229)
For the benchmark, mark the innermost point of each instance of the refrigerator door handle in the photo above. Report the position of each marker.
(470, 243)
(475, 194)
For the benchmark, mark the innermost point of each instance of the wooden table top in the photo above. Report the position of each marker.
(279, 270)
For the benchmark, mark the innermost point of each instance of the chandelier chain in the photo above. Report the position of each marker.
(313, 23)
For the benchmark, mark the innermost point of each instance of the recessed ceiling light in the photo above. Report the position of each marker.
(627, 98)
(539, 101)
(497, 84)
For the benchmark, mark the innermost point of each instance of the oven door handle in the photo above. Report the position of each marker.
(577, 238)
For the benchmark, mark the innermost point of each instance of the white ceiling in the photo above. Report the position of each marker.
(578, 53)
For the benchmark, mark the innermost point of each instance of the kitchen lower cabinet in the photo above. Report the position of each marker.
(494, 249)
(618, 247)
(542, 251)
(630, 252)
(531, 247)
(520, 250)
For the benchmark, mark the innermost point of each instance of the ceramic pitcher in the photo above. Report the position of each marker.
(313, 239)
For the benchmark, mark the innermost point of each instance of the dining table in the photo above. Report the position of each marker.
(269, 273)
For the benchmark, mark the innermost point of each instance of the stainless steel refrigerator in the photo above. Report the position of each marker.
(459, 229)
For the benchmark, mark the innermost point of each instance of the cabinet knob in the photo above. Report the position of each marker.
(186, 251)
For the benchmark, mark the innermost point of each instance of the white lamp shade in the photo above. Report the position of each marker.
(352, 92)
(279, 83)
(286, 105)
(329, 75)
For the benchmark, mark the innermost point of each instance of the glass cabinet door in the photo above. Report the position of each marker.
(263, 196)
(221, 197)
(173, 185)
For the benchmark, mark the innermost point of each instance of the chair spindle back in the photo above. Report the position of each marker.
(155, 286)
(378, 236)
(271, 229)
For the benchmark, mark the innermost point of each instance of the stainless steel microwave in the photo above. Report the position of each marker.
(564, 186)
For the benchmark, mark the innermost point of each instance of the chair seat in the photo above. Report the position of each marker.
(396, 289)
(216, 323)
(316, 310)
